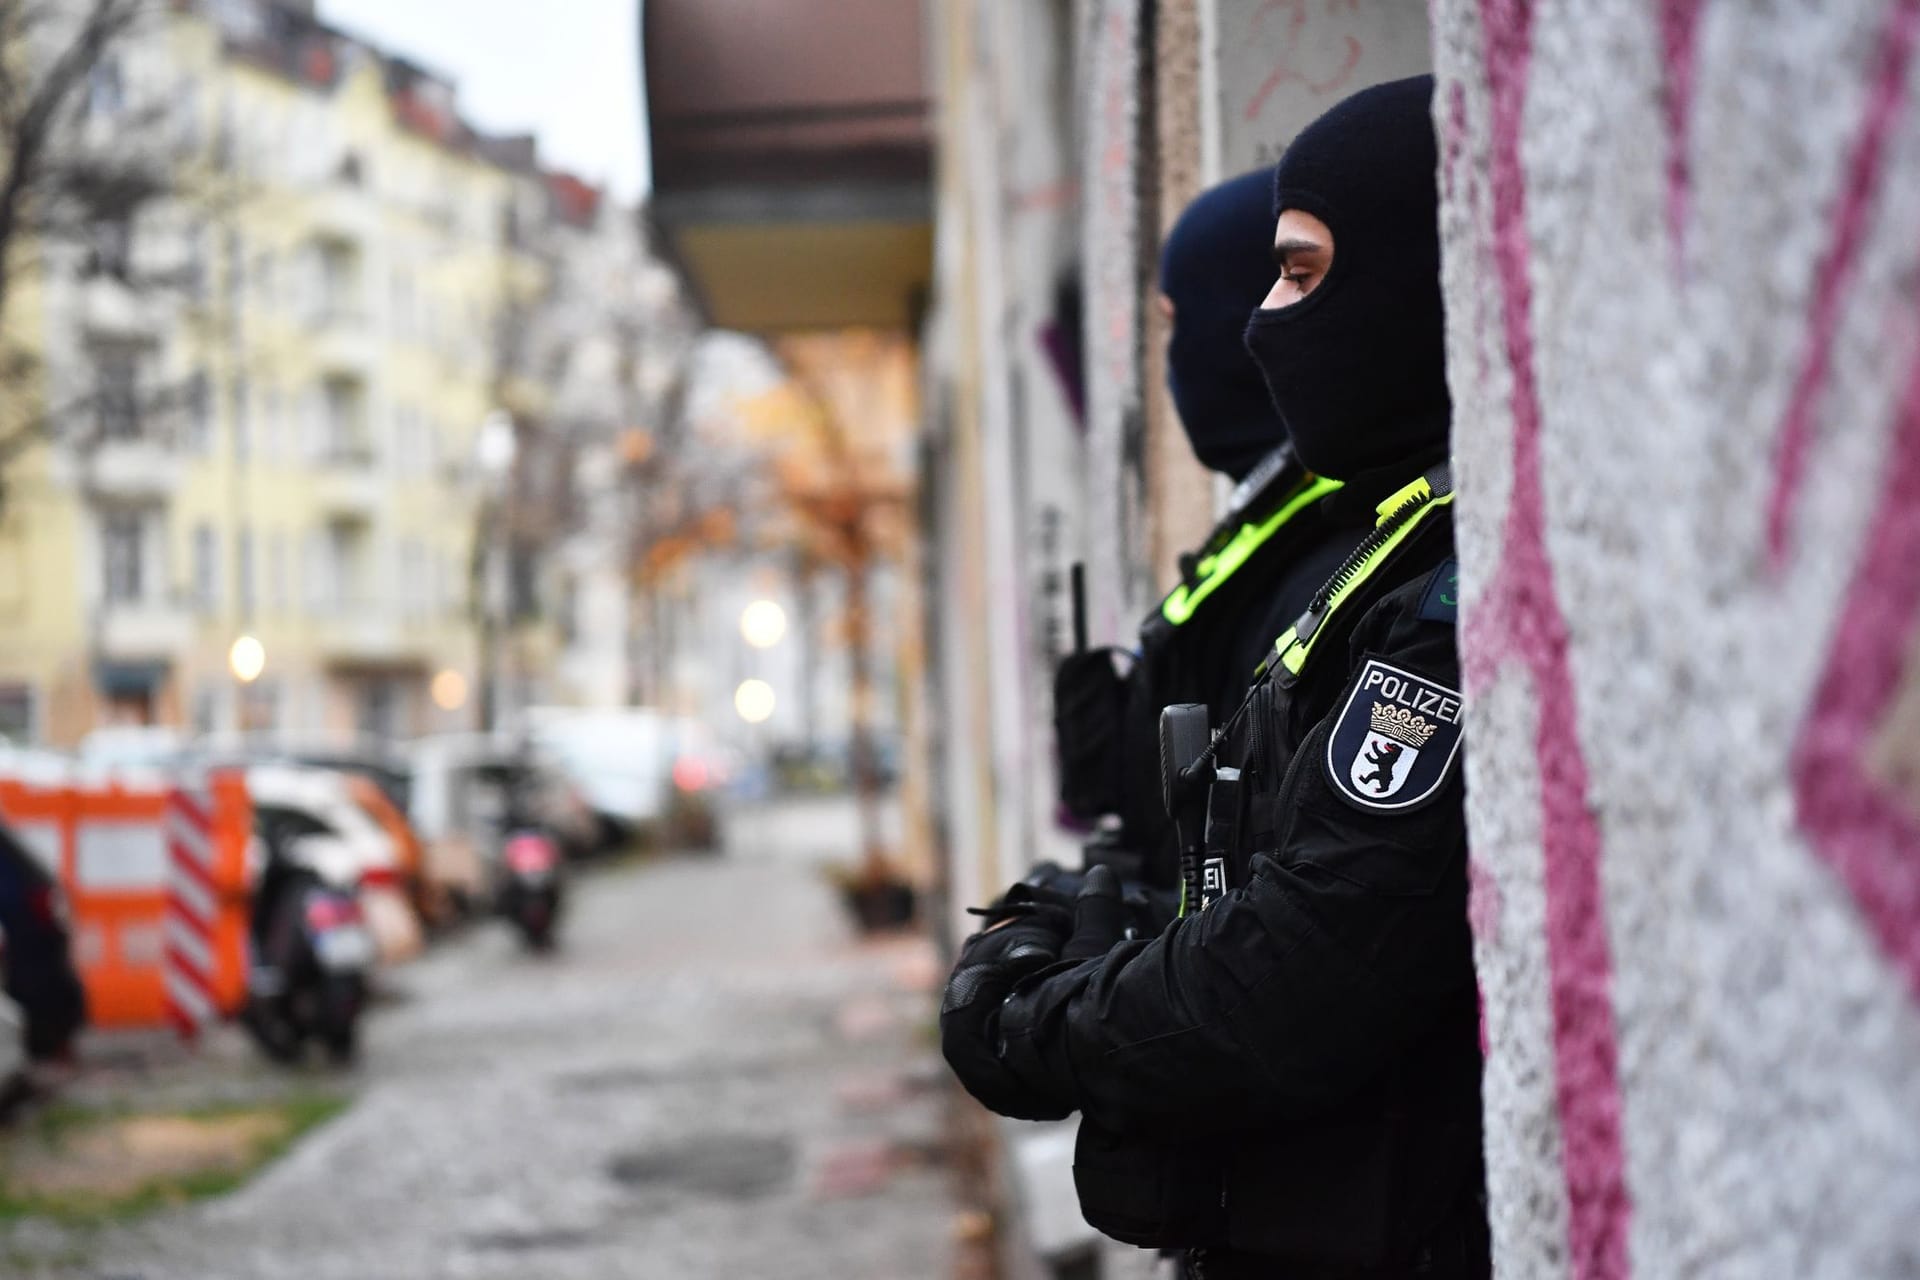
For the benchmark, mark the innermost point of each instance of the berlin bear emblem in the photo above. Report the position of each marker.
(1395, 740)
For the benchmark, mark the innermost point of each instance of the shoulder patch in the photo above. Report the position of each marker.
(1395, 740)
(1440, 602)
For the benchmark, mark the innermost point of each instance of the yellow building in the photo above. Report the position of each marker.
(285, 446)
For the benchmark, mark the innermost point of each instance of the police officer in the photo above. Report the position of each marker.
(1285, 1082)
(1253, 573)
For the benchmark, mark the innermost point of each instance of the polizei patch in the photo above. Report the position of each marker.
(1395, 740)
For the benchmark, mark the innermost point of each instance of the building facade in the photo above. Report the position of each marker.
(282, 440)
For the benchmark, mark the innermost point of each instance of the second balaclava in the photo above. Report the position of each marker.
(1216, 265)
(1357, 368)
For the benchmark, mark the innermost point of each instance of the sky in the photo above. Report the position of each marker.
(566, 70)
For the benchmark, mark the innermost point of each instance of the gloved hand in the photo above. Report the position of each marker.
(1026, 939)
(1101, 917)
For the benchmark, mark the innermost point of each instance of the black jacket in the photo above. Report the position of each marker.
(1292, 1074)
(1210, 656)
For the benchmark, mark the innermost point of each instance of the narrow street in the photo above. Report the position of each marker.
(711, 1079)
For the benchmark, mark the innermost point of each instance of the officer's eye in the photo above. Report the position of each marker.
(1299, 277)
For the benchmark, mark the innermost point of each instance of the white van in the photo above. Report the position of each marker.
(621, 760)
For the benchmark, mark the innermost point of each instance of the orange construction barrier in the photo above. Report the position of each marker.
(109, 846)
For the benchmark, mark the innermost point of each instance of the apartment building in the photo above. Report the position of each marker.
(281, 440)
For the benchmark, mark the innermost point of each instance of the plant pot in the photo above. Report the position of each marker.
(878, 905)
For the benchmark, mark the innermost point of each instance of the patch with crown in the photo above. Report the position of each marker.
(1395, 740)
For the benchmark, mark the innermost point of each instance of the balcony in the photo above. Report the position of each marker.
(345, 213)
(813, 170)
(144, 630)
(112, 311)
(372, 634)
(342, 340)
(348, 482)
(138, 469)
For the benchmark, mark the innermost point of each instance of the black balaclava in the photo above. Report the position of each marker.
(1357, 367)
(1215, 267)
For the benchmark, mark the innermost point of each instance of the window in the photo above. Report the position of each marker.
(379, 708)
(259, 707)
(345, 437)
(16, 713)
(268, 423)
(236, 268)
(318, 575)
(406, 441)
(243, 570)
(206, 710)
(206, 568)
(402, 301)
(199, 406)
(339, 283)
(121, 537)
(116, 378)
(346, 565)
(414, 600)
(264, 280)
(237, 398)
(277, 581)
(196, 282)
(106, 90)
(111, 239)
(315, 425)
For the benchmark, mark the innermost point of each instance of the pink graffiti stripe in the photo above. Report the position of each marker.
(1519, 620)
(1835, 272)
(1869, 838)
(1679, 45)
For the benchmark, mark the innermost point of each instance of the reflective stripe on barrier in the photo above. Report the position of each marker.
(146, 941)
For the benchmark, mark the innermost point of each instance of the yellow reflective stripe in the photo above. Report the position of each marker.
(1185, 601)
(1293, 654)
(1400, 497)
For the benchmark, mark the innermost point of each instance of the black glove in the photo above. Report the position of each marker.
(1101, 917)
(991, 963)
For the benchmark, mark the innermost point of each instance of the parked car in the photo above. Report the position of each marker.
(620, 760)
(40, 975)
(384, 769)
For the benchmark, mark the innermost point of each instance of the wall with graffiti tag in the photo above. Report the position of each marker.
(1682, 253)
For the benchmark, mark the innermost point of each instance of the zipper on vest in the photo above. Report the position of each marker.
(1398, 514)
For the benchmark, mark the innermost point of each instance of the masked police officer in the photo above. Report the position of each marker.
(1253, 573)
(1285, 1082)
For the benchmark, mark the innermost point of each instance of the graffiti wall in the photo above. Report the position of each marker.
(1274, 65)
(1682, 242)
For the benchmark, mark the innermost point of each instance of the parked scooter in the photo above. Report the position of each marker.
(529, 893)
(311, 950)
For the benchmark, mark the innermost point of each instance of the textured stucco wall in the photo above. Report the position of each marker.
(1685, 341)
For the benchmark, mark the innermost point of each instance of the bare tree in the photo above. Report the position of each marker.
(73, 186)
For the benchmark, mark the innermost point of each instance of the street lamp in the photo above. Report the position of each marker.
(494, 449)
(763, 623)
(754, 701)
(247, 659)
(449, 690)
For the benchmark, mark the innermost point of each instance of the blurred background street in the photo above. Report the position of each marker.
(662, 1098)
